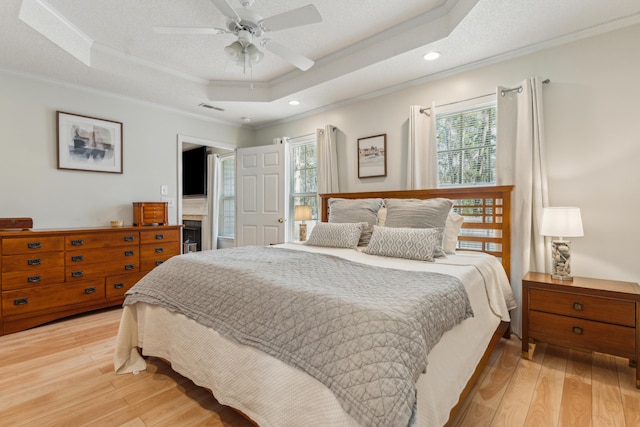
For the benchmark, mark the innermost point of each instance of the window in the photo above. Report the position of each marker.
(303, 179)
(227, 196)
(466, 146)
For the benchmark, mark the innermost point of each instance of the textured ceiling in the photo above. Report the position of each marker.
(360, 47)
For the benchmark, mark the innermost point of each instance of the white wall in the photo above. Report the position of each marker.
(592, 132)
(32, 186)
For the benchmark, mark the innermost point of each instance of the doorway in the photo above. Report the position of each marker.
(195, 210)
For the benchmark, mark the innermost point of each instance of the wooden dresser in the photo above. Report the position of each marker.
(588, 314)
(50, 274)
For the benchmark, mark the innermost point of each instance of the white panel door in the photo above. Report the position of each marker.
(260, 195)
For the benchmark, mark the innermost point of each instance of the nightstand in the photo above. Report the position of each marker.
(587, 314)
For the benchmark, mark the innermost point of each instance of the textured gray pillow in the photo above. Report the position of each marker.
(411, 243)
(414, 213)
(356, 210)
(345, 235)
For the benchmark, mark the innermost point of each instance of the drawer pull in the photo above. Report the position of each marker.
(129, 253)
(77, 242)
(159, 250)
(129, 238)
(77, 258)
(159, 236)
(34, 279)
(34, 245)
(78, 273)
(35, 261)
(578, 330)
(89, 290)
(118, 285)
(129, 266)
(21, 301)
(158, 263)
(578, 306)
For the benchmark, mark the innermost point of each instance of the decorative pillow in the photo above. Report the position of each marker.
(344, 235)
(352, 211)
(451, 231)
(411, 243)
(415, 213)
(382, 216)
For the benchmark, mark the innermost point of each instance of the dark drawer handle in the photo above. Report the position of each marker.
(34, 245)
(77, 242)
(119, 285)
(578, 330)
(34, 279)
(129, 238)
(78, 273)
(577, 306)
(21, 301)
(77, 258)
(159, 250)
(159, 236)
(129, 253)
(35, 261)
(158, 263)
(129, 267)
(89, 290)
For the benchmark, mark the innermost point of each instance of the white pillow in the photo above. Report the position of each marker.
(382, 216)
(451, 232)
(336, 235)
(411, 243)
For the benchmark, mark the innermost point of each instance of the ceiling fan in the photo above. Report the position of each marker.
(247, 25)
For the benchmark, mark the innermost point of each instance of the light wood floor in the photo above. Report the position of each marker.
(61, 374)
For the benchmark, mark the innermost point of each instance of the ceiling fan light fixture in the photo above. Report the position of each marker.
(234, 50)
(255, 55)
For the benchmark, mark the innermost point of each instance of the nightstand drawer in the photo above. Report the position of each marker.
(583, 334)
(583, 306)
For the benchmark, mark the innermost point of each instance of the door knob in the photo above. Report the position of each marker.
(280, 220)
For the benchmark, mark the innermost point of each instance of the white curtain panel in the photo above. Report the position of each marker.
(213, 163)
(327, 158)
(421, 150)
(521, 162)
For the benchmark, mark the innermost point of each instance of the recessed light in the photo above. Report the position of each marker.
(294, 102)
(431, 56)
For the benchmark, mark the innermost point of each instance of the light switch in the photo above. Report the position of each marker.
(164, 190)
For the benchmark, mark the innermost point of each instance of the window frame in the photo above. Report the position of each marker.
(292, 231)
(222, 197)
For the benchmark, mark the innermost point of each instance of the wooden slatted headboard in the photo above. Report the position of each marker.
(487, 212)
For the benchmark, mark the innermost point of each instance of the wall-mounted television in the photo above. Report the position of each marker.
(194, 172)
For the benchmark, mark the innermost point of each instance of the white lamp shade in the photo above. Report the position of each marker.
(561, 222)
(301, 213)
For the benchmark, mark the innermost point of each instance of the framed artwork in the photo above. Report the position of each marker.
(89, 144)
(372, 156)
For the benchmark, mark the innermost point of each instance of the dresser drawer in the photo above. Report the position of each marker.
(24, 279)
(29, 245)
(117, 285)
(82, 272)
(155, 236)
(51, 296)
(583, 334)
(583, 306)
(101, 240)
(32, 262)
(126, 254)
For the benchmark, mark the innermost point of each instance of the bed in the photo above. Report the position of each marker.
(273, 386)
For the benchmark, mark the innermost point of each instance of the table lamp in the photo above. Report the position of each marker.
(302, 213)
(560, 223)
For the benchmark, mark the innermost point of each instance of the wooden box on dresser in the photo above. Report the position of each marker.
(587, 314)
(50, 274)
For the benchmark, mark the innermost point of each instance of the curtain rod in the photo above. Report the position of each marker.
(502, 93)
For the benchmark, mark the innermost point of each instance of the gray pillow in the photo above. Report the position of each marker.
(344, 235)
(356, 210)
(411, 243)
(415, 213)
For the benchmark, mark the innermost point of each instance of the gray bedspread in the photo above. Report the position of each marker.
(363, 331)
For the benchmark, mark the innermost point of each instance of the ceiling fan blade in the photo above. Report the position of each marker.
(188, 30)
(288, 55)
(294, 18)
(226, 9)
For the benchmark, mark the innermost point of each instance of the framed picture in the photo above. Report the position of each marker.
(372, 156)
(89, 144)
